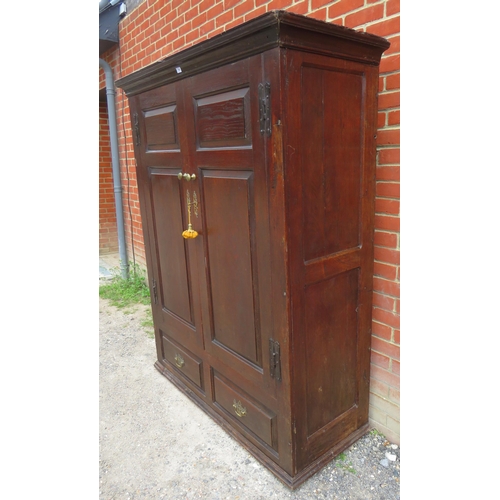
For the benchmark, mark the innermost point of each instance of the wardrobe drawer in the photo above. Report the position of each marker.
(184, 361)
(252, 415)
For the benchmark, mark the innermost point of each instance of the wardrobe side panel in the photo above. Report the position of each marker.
(329, 196)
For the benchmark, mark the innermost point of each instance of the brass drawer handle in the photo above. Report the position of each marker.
(240, 410)
(179, 361)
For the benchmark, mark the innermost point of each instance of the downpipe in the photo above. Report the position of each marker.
(117, 184)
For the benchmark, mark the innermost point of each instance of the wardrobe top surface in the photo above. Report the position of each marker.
(274, 29)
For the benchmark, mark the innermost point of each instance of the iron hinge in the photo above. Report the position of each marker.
(265, 108)
(155, 295)
(275, 359)
(136, 130)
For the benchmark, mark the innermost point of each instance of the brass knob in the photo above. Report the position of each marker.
(189, 233)
(188, 177)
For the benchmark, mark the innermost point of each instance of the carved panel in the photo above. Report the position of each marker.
(161, 129)
(223, 120)
(332, 134)
(170, 246)
(331, 329)
(232, 280)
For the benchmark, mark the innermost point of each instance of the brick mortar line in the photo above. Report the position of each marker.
(389, 248)
(386, 248)
(388, 110)
(392, 91)
(385, 354)
(388, 370)
(383, 324)
(386, 383)
(392, 72)
(387, 263)
(365, 25)
(388, 310)
(396, 282)
(391, 402)
(376, 21)
(353, 11)
(390, 127)
(386, 198)
(395, 266)
(389, 215)
(386, 293)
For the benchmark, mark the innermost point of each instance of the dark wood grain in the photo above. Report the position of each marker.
(333, 183)
(331, 328)
(187, 364)
(228, 210)
(172, 263)
(332, 134)
(167, 201)
(284, 250)
(256, 418)
(222, 120)
(161, 128)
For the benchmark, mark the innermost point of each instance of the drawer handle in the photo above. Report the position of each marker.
(240, 410)
(179, 361)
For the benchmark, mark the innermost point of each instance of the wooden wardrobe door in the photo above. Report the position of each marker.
(172, 261)
(227, 152)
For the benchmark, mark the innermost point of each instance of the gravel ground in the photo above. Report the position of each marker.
(156, 444)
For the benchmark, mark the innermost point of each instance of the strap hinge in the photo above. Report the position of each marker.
(265, 108)
(136, 130)
(274, 359)
(155, 294)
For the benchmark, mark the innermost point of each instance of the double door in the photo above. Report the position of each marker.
(202, 166)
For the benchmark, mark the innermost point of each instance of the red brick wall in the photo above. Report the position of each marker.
(156, 29)
(108, 236)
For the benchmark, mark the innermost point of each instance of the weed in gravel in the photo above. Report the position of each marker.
(341, 463)
(375, 432)
(123, 293)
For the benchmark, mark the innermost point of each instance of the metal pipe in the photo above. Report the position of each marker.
(103, 4)
(117, 184)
